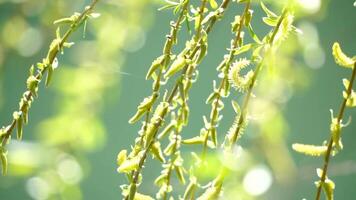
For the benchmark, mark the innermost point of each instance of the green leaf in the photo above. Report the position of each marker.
(340, 58)
(180, 174)
(350, 98)
(202, 52)
(310, 150)
(144, 106)
(194, 140)
(94, 15)
(154, 66)
(189, 192)
(242, 49)
(167, 130)
(270, 21)
(236, 107)
(176, 66)
(19, 126)
(214, 136)
(139, 196)
(2, 131)
(67, 20)
(3, 159)
(253, 34)
(236, 23)
(161, 179)
(213, 4)
(328, 185)
(248, 17)
(49, 75)
(267, 11)
(335, 128)
(157, 152)
(121, 157)
(214, 95)
(129, 165)
(32, 84)
(211, 193)
(196, 22)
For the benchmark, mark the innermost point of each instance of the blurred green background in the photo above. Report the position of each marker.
(79, 124)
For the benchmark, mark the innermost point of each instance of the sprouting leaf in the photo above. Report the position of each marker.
(202, 52)
(197, 22)
(335, 129)
(268, 12)
(236, 23)
(3, 159)
(161, 178)
(143, 107)
(242, 49)
(67, 20)
(187, 23)
(32, 84)
(225, 90)
(170, 148)
(346, 83)
(129, 165)
(310, 150)
(49, 75)
(189, 192)
(2, 131)
(154, 66)
(340, 58)
(121, 157)
(248, 17)
(194, 140)
(19, 122)
(214, 136)
(68, 44)
(157, 152)
(270, 21)
(328, 185)
(350, 98)
(166, 7)
(236, 107)
(167, 130)
(25, 106)
(180, 174)
(211, 193)
(139, 196)
(94, 15)
(176, 66)
(213, 4)
(253, 34)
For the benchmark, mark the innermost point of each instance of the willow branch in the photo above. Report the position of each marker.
(330, 143)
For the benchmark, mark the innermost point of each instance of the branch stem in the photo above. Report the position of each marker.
(330, 143)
